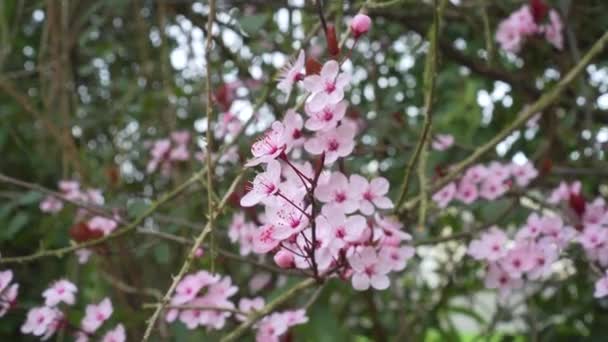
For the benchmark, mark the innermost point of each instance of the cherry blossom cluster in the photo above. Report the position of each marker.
(319, 218)
(166, 153)
(204, 290)
(529, 21)
(45, 320)
(71, 190)
(486, 182)
(88, 226)
(536, 247)
(540, 242)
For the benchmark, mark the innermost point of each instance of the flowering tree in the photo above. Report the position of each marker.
(377, 170)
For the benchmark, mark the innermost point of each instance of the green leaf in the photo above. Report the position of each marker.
(16, 224)
(30, 197)
(161, 253)
(251, 24)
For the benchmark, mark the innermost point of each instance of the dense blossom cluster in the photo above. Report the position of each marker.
(166, 153)
(486, 182)
(316, 217)
(529, 21)
(45, 320)
(537, 245)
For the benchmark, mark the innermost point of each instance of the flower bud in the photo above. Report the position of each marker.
(332, 41)
(284, 259)
(360, 24)
(199, 252)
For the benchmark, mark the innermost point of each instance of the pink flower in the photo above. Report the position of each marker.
(444, 196)
(288, 219)
(115, 335)
(336, 143)
(247, 306)
(390, 230)
(523, 174)
(563, 192)
(291, 73)
(189, 287)
(360, 24)
(265, 239)
(61, 291)
(284, 259)
(512, 32)
(492, 188)
(442, 142)
(467, 192)
(236, 226)
(553, 31)
(593, 237)
(339, 193)
(96, 314)
(496, 278)
(51, 204)
(106, 225)
(371, 193)
(396, 257)
(42, 321)
(368, 270)
(83, 255)
(327, 118)
(601, 287)
(475, 174)
(275, 325)
(8, 294)
(544, 255)
(518, 261)
(293, 124)
(227, 123)
(339, 230)
(265, 185)
(181, 137)
(269, 146)
(491, 246)
(327, 88)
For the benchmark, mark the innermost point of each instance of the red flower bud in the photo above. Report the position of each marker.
(80, 232)
(539, 10)
(313, 67)
(577, 203)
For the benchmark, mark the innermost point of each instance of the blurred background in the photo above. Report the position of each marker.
(87, 87)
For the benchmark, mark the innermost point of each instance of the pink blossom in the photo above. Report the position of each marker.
(396, 257)
(390, 230)
(442, 142)
(8, 294)
(339, 193)
(275, 325)
(444, 196)
(266, 240)
(248, 306)
(96, 315)
(371, 193)
(601, 287)
(335, 143)
(51, 204)
(264, 186)
(288, 219)
(512, 32)
(339, 230)
(327, 118)
(284, 259)
(475, 174)
(467, 192)
(563, 192)
(553, 31)
(293, 124)
(116, 335)
(493, 188)
(368, 270)
(83, 255)
(269, 146)
(360, 24)
(491, 246)
(105, 225)
(189, 287)
(327, 88)
(291, 73)
(497, 278)
(227, 124)
(518, 261)
(544, 255)
(42, 321)
(181, 137)
(523, 174)
(61, 291)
